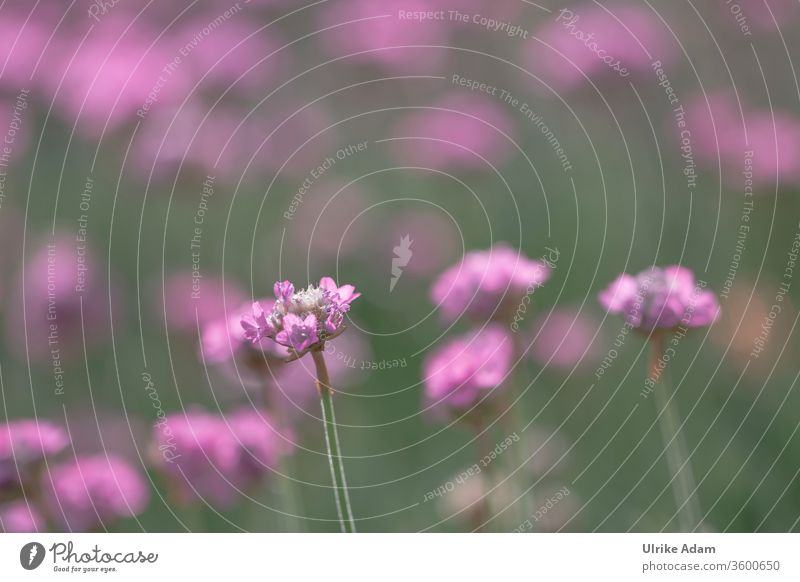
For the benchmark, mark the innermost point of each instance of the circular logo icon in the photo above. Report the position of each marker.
(31, 555)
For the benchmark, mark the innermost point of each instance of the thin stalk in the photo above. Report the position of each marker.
(343, 508)
(682, 481)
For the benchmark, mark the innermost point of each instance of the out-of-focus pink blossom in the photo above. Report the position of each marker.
(207, 457)
(455, 133)
(661, 298)
(20, 517)
(564, 338)
(468, 368)
(61, 299)
(595, 41)
(24, 444)
(374, 27)
(118, 71)
(94, 491)
(199, 456)
(185, 300)
(488, 283)
(755, 146)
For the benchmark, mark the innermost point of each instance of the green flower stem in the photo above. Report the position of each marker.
(332, 440)
(682, 482)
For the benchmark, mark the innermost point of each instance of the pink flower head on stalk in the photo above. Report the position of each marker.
(488, 283)
(661, 298)
(93, 491)
(20, 517)
(304, 319)
(468, 368)
(24, 444)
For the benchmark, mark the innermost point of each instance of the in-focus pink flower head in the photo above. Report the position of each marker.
(466, 369)
(20, 517)
(488, 284)
(612, 41)
(663, 298)
(24, 444)
(301, 320)
(373, 28)
(564, 338)
(94, 491)
(61, 286)
(455, 132)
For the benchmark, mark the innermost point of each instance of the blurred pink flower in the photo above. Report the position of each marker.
(455, 133)
(61, 299)
(93, 491)
(488, 284)
(199, 456)
(208, 457)
(374, 27)
(185, 300)
(115, 73)
(767, 146)
(661, 298)
(468, 368)
(232, 50)
(564, 338)
(24, 445)
(615, 40)
(20, 517)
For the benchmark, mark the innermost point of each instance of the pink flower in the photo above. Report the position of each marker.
(93, 491)
(24, 444)
(304, 319)
(182, 300)
(374, 28)
(661, 298)
(467, 369)
(225, 339)
(456, 131)
(765, 149)
(298, 333)
(564, 338)
(199, 456)
(488, 284)
(610, 41)
(211, 458)
(61, 294)
(260, 447)
(20, 517)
